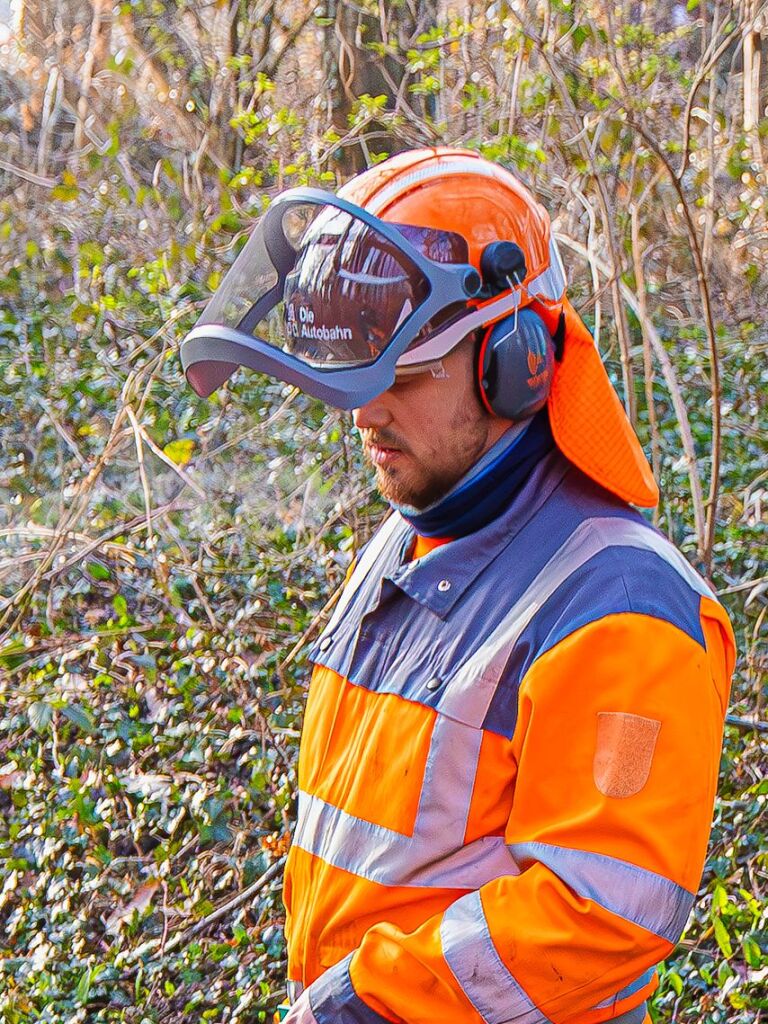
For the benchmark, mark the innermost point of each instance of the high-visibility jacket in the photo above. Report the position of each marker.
(507, 770)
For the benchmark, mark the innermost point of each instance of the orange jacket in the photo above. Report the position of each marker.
(507, 770)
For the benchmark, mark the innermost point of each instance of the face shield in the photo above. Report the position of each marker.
(326, 296)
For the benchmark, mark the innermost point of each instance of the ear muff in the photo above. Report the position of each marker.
(516, 361)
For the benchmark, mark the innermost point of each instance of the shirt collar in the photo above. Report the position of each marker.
(440, 579)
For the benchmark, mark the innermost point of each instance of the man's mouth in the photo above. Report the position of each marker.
(383, 454)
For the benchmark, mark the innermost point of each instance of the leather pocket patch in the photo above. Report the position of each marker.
(624, 752)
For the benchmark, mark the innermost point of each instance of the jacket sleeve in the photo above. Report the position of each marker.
(617, 746)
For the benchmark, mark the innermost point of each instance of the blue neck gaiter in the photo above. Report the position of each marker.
(489, 486)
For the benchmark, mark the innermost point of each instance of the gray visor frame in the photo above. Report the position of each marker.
(211, 352)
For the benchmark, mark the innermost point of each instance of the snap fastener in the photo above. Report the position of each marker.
(434, 684)
(325, 643)
(444, 585)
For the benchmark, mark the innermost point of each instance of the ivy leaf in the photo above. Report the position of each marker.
(98, 571)
(83, 990)
(721, 936)
(80, 717)
(40, 714)
(676, 982)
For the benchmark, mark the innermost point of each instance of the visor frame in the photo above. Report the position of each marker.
(211, 352)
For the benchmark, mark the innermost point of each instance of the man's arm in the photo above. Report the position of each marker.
(617, 746)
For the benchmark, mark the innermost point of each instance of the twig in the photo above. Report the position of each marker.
(647, 358)
(674, 389)
(709, 325)
(702, 74)
(35, 179)
(746, 724)
(143, 476)
(19, 599)
(181, 938)
(128, 526)
(177, 469)
(310, 629)
(747, 585)
(590, 250)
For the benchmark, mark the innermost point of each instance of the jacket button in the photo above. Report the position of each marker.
(325, 643)
(444, 585)
(434, 684)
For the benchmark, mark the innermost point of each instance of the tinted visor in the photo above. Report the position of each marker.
(317, 282)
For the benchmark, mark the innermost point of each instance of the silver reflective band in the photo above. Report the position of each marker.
(433, 856)
(643, 897)
(635, 1016)
(645, 979)
(470, 953)
(293, 990)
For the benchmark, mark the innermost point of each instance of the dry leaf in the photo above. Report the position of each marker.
(140, 901)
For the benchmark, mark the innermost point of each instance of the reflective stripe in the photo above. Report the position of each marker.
(635, 1016)
(366, 562)
(469, 692)
(433, 856)
(449, 778)
(636, 894)
(470, 953)
(634, 986)
(390, 858)
(334, 1001)
(293, 990)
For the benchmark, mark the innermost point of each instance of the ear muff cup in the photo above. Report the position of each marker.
(516, 361)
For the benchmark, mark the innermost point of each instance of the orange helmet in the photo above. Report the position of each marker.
(459, 191)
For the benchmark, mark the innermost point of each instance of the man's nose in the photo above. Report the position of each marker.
(374, 415)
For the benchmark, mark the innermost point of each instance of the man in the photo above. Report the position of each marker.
(512, 736)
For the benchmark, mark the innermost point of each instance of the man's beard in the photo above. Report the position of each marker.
(399, 487)
(402, 495)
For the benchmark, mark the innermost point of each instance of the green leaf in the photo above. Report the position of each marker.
(676, 982)
(719, 897)
(180, 451)
(98, 571)
(120, 605)
(12, 653)
(67, 190)
(83, 990)
(752, 953)
(80, 717)
(721, 936)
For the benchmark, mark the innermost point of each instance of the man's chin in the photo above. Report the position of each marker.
(405, 494)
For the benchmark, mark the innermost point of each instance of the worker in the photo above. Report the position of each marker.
(511, 743)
